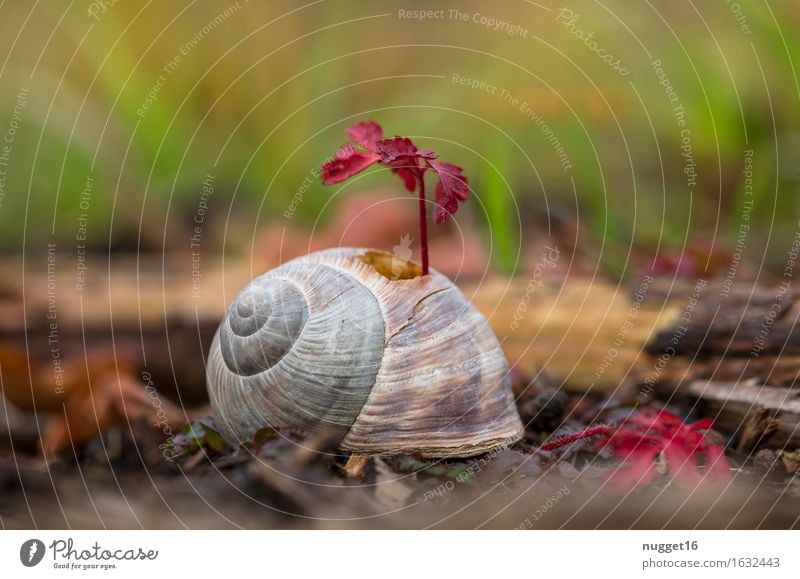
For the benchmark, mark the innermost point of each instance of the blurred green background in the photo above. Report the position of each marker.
(257, 94)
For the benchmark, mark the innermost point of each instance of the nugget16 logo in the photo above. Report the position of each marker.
(31, 552)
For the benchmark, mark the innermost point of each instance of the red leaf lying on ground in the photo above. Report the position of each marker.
(641, 438)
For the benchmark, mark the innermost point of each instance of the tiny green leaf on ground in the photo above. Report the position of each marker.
(200, 433)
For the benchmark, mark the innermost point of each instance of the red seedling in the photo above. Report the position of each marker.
(401, 155)
(639, 439)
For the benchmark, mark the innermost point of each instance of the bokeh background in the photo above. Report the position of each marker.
(146, 99)
(156, 156)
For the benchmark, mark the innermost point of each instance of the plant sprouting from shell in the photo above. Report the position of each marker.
(409, 163)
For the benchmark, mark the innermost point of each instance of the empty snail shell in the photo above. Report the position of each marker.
(357, 340)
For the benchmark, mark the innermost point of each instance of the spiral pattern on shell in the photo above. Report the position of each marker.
(398, 365)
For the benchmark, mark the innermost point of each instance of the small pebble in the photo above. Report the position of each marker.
(767, 461)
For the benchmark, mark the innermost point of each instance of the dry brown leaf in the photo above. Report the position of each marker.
(791, 460)
(759, 426)
(84, 398)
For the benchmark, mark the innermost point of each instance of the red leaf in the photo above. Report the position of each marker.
(345, 166)
(409, 177)
(570, 438)
(681, 462)
(640, 438)
(717, 469)
(451, 189)
(702, 424)
(402, 156)
(349, 160)
(406, 161)
(627, 441)
(640, 470)
(365, 134)
(396, 149)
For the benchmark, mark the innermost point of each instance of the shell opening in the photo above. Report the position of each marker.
(391, 266)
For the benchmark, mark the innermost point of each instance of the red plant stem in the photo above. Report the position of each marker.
(570, 438)
(423, 225)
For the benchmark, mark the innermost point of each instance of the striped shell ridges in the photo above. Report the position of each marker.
(327, 341)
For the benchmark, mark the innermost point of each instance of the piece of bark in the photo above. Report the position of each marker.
(758, 427)
(155, 308)
(749, 330)
(588, 332)
(729, 404)
(356, 466)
